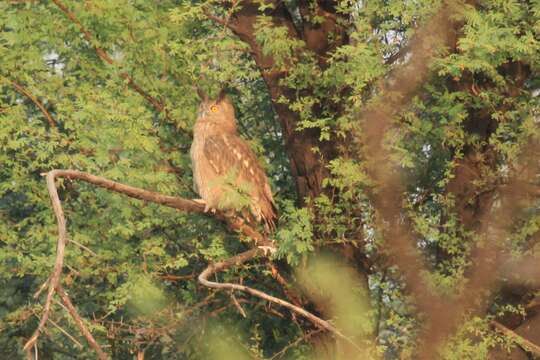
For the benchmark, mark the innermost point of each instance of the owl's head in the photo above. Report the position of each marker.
(218, 113)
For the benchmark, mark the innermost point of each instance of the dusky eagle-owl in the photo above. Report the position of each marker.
(225, 167)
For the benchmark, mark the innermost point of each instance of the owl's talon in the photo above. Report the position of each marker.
(200, 201)
(267, 249)
(206, 206)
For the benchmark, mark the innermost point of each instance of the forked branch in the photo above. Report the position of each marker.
(54, 282)
(242, 258)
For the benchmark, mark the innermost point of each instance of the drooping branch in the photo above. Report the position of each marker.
(80, 324)
(54, 285)
(54, 279)
(236, 223)
(103, 55)
(242, 258)
(23, 91)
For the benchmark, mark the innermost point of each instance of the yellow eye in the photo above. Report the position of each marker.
(213, 108)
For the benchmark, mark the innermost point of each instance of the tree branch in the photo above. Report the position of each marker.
(54, 283)
(80, 324)
(158, 105)
(520, 340)
(246, 256)
(60, 248)
(35, 100)
(54, 280)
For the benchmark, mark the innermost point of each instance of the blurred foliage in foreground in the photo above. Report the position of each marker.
(131, 267)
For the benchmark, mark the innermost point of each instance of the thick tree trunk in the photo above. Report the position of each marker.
(307, 165)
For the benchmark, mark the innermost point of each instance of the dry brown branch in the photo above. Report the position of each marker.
(23, 91)
(158, 105)
(66, 334)
(238, 306)
(305, 337)
(80, 324)
(170, 277)
(85, 248)
(528, 345)
(175, 202)
(246, 256)
(291, 295)
(54, 279)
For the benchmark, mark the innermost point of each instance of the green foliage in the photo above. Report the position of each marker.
(131, 267)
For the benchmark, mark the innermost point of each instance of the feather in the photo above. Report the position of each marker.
(219, 153)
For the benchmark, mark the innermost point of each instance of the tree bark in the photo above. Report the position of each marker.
(307, 165)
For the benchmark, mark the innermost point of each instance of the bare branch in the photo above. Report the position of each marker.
(63, 331)
(80, 324)
(85, 248)
(238, 306)
(54, 285)
(295, 298)
(304, 337)
(60, 247)
(246, 256)
(131, 191)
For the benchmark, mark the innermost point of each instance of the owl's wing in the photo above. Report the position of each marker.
(229, 152)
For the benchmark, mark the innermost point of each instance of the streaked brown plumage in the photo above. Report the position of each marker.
(223, 162)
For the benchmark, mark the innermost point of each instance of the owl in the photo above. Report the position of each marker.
(226, 172)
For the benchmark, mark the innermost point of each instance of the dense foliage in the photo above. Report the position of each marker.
(107, 87)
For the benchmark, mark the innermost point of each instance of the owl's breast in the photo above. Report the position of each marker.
(203, 173)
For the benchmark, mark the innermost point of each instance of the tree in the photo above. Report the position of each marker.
(400, 138)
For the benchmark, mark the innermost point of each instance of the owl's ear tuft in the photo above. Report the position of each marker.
(221, 95)
(201, 94)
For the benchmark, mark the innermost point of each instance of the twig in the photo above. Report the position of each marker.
(158, 105)
(64, 332)
(238, 306)
(294, 343)
(246, 256)
(35, 100)
(80, 324)
(41, 288)
(171, 277)
(295, 299)
(71, 241)
(530, 346)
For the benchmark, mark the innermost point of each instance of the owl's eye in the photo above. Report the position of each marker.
(213, 108)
